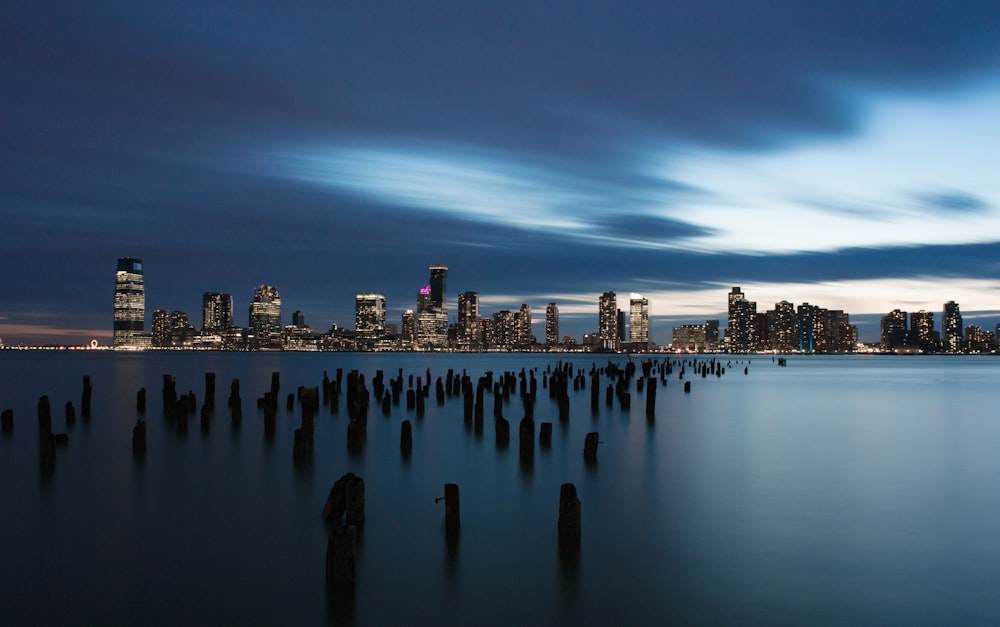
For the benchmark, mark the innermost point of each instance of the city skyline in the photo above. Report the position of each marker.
(835, 154)
(811, 328)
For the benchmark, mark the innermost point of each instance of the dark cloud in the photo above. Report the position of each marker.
(952, 202)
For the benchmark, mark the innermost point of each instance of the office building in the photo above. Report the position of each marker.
(951, 328)
(741, 335)
(783, 328)
(638, 321)
(369, 316)
(161, 328)
(216, 312)
(130, 303)
(607, 321)
(408, 326)
(551, 324)
(523, 337)
(265, 311)
(690, 338)
(922, 325)
(468, 319)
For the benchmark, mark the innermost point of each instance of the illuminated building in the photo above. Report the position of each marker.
(711, 335)
(807, 317)
(607, 321)
(951, 328)
(130, 303)
(408, 324)
(922, 325)
(893, 330)
(638, 320)
(161, 328)
(522, 335)
(783, 327)
(551, 324)
(369, 315)
(741, 335)
(504, 329)
(265, 311)
(216, 312)
(690, 338)
(468, 319)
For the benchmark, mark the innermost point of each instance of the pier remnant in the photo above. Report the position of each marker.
(545, 435)
(7, 420)
(406, 438)
(139, 438)
(340, 554)
(569, 515)
(590, 446)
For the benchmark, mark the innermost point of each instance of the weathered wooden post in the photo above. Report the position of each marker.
(502, 431)
(340, 554)
(406, 438)
(590, 447)
(651, 398)
(70, 413)
(545, 435)
(44, 415)
(140, 401)
(85, 401)
(46, 452)
(139, 438)
(687, 386)
(569, 516)
(527, 439)
(7, 420)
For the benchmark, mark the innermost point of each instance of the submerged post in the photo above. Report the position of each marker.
(569, 515)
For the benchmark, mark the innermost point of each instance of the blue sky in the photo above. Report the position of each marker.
(837, 153)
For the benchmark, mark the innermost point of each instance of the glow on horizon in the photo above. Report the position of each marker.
(862, 297)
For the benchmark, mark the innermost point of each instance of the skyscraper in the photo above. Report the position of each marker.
(783, 325)
(439, 287)
(551, 324)
(523, 337)
(216, 312)
(369, 315)
(922, 323)
(468, 319)
(607, 321)
(161, 328)
(265, 311)
(740, 334)
(130, 303)
(408, 326)
(638, 320)
(893, 330)
(951, 328)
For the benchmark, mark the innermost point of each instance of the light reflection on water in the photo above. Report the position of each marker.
(837, 490)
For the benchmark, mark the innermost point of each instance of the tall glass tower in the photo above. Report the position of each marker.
(130, 302)
(638, 319)
(607, 320)
(265, 311)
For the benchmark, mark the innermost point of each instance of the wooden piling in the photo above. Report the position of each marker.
(44, 415)
(569, 515)
(140, 401)
(590, 446)
(70, 413)
(7, 420)
(139, 438)
(545, 435)
(340, 557)
(406, 438)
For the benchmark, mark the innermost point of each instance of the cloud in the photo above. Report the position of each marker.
(956, 202)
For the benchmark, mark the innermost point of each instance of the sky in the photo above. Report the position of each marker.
(837, 153)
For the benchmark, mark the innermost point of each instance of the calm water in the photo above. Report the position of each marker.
(851, 490)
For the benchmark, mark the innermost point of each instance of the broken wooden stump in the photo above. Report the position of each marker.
(569, 516)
